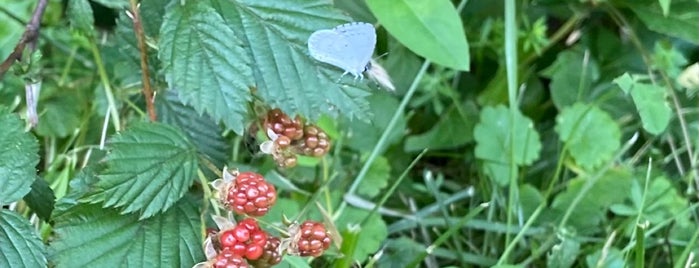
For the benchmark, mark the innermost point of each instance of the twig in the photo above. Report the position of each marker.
(145, 76)
(29, 37)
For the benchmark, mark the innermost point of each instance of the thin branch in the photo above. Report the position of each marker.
(145, 76)
(29, 37)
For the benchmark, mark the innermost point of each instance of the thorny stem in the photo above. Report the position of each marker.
(29, 37)
(145, 76)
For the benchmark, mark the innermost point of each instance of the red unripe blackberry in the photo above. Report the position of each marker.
(227, 259)
(271, 255)
(313, 239)
(250, 194)
(246, 239)
(282, 124)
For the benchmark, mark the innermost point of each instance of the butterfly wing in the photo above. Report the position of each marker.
(362, 39)
(329, 47)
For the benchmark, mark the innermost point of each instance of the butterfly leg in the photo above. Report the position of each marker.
(343, 74)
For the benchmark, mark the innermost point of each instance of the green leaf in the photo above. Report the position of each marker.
(150, 167)
(590, 134)
(372, 234)
(19, 156)
(572, 77)
(200, 129)
(363, 136)
(41, 199)
(377, 177)
(60, 114)
(592, 209)
(283, 206)
(205, 63)
(81, 17)
(431, 29)
(650, 102)
(681, 22)
(454, 129)
(20, 246)
(493, 145)
(92, 236)
(563, 254)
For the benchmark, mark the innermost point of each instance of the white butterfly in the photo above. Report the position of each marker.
(348, 46)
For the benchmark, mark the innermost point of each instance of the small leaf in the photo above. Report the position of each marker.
(20, 246)
(650, 102)
(41, 199)
(372, 235)
(81, 17)
(453, 130)
(493, 144)
(432, 29)
(572, 77)
(205, 63)
(363, 136)
(150, 167)
(591, 135)
(91, 236)
(19, 156)
(376, 178)
(563, 254)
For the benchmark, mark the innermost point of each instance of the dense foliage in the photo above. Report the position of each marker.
(549, 133)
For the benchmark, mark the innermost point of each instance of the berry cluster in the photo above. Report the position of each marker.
(312, 239)
(249, 194)
(245, 243)
(288, 138)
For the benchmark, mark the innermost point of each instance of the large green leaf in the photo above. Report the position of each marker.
(150, 167)
(20, 246)
(204, 61)
(431, 29)
(91, 236)
(493, 143)
(18, 159)
(200, 129)
(682, 22)
(217, 53)
(650, 102)
(590, 134)
(572, 76)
